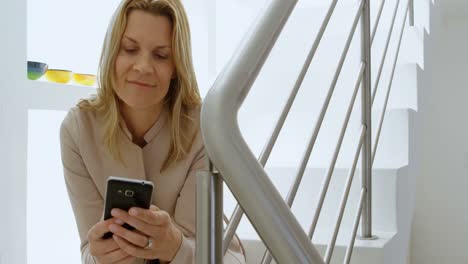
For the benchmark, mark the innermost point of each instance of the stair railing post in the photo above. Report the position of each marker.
(366, 154)
(209, 217)
(411, 13)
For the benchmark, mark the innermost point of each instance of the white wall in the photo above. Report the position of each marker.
(440, 232)
(13, 132)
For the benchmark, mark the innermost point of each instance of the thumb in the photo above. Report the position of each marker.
(154, 208)
(99, 229)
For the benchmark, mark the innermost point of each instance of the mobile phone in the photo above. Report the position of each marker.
(125, 193)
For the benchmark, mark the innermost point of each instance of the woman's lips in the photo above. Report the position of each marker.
(141, 84)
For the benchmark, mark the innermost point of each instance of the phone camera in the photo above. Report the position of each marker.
(129, 193)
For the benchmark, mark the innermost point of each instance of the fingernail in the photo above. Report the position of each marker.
(133, 211)
(119, 222)
(114, 212)
(113, 228)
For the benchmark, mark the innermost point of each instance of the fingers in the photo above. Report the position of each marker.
(151, 223)
(102, 247)
(131, 236)
(127, 260)
(98, 230)
(131, 249)
(114, 256)
(98, 246)
(133, 221)
(153, 216)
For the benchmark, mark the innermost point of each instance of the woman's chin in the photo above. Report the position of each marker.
(141, 104)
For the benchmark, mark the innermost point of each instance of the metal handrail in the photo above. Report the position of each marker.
(237, 215)
(230, 154)
(284, 237)
(291, 195)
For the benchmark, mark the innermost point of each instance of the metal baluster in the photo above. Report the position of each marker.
(411, 14)
(209, 199)
(366, 163)
(377, 20)
(349, 250)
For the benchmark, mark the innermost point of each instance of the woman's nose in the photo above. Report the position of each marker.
(143, 64)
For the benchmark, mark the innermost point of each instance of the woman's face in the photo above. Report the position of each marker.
(144, 65)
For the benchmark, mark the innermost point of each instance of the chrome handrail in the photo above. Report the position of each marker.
(237, 215)
(246, 178)
(306, 156)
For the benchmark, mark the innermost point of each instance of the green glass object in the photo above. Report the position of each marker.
(36, 69)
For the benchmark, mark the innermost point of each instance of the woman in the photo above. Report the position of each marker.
(143, 124)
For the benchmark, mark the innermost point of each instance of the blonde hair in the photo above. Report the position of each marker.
(183, 94)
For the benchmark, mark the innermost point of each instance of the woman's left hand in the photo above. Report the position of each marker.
(151, 225)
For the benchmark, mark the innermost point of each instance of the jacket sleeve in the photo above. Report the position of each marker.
(85, 199)
(185, 213)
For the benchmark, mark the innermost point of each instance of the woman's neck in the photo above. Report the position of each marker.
(139, 121)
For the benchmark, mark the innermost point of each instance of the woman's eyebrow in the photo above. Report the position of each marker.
(129, 38)
(158, 47)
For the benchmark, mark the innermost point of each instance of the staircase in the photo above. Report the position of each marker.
(395, 165)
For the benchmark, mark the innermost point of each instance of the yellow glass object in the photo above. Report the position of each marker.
(58, 76)
(84, 79)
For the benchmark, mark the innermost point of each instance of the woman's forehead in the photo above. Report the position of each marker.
(130, 39)
(146, 27)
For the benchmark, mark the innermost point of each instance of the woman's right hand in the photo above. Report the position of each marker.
(106, 251)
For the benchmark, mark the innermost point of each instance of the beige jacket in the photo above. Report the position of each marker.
(87, 165)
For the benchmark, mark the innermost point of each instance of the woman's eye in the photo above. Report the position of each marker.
(129, 50)
(161, 56)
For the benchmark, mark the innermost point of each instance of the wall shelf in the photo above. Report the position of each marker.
(54, 96)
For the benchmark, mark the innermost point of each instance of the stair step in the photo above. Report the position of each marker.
(385, 184)
(365, 251)
(404, 90)
(392, 207)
